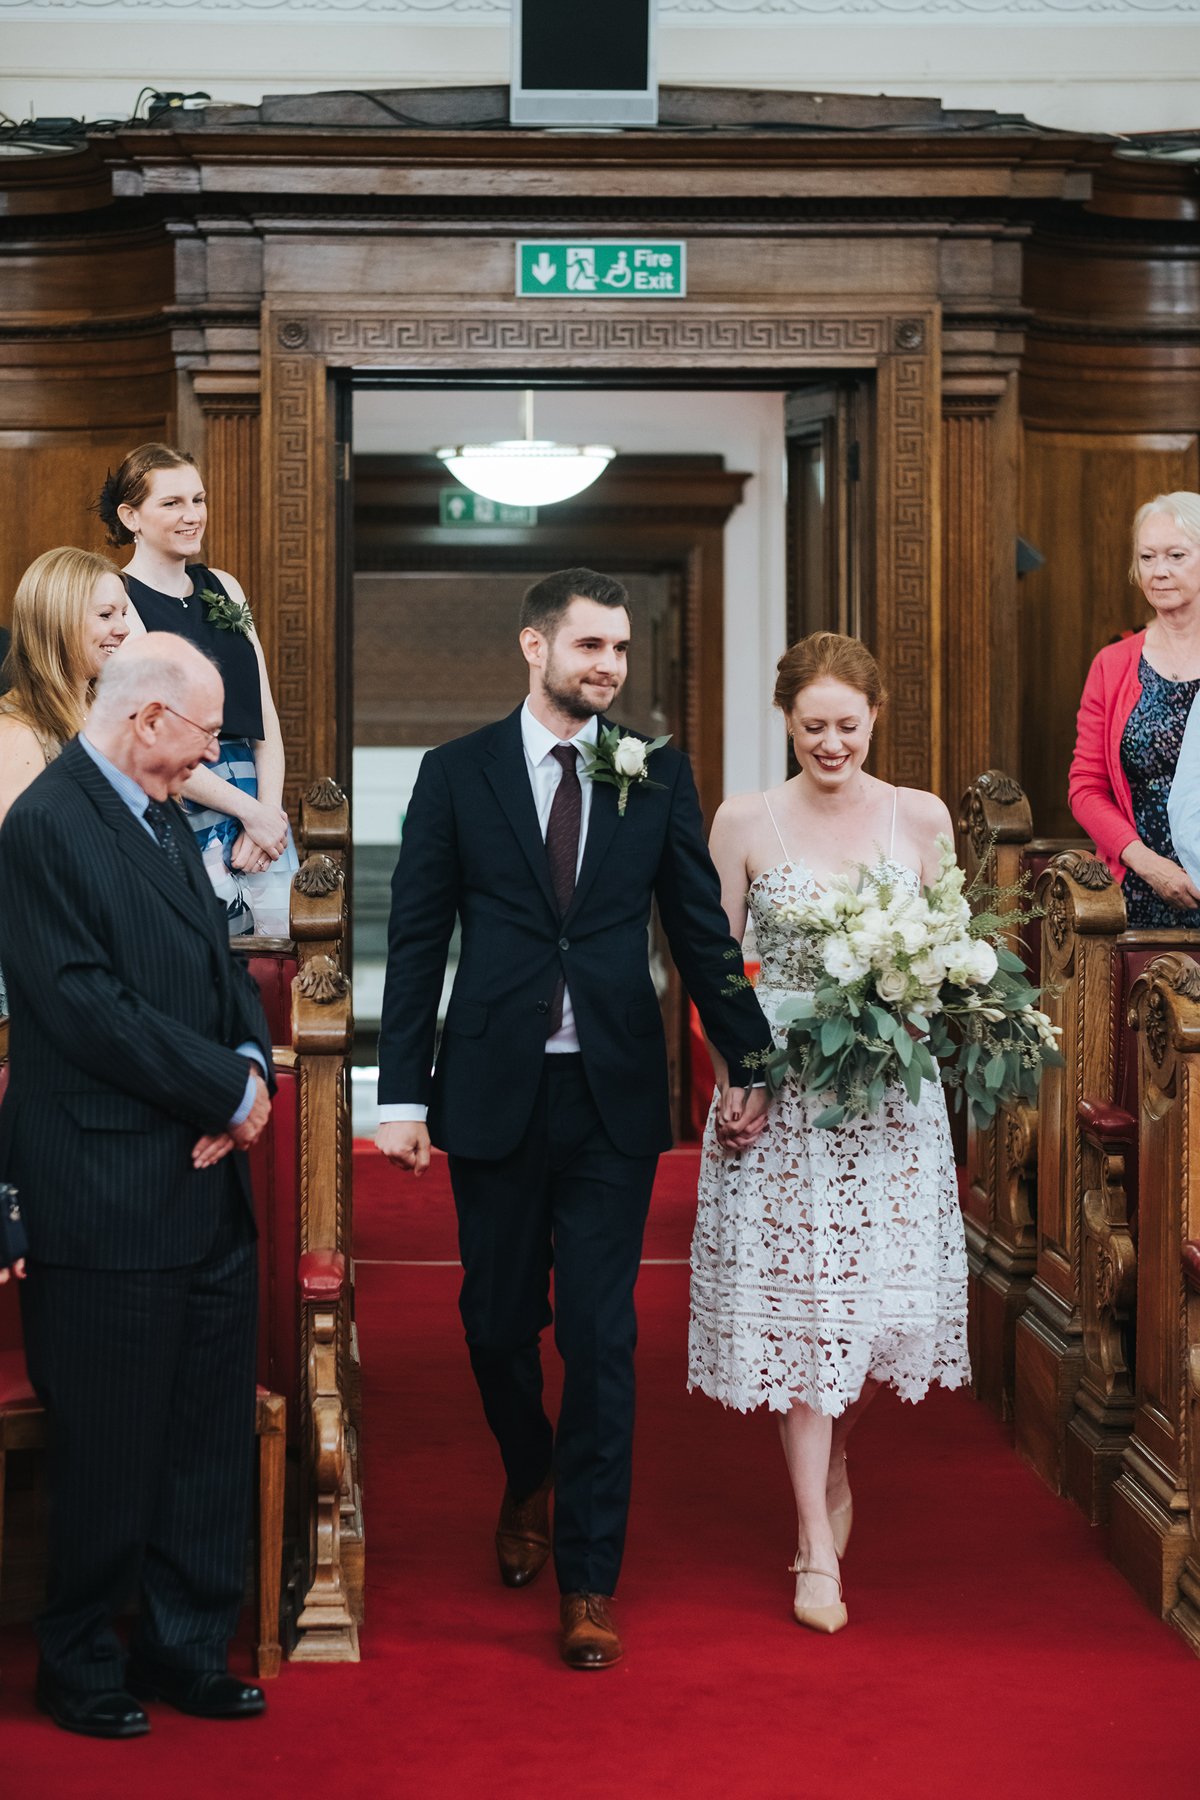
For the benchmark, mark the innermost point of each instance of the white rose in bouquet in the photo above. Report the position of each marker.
(930, 970)
(841, 961)
(912, 926)
(869, 932)
(629, 757)
(892, 985)
(984, 961)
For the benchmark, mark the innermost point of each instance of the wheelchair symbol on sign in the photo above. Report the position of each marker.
(581, 270)
(620, 275)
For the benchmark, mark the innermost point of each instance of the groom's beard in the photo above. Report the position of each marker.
(569, 697)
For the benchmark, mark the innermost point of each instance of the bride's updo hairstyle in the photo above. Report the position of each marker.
(827, 656)
(131, 483)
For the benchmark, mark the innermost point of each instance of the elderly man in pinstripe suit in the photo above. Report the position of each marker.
(139, 1050)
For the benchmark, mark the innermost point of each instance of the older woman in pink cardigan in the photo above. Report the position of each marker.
(1133, 717)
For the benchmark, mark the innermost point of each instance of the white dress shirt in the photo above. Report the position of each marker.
(545, 773)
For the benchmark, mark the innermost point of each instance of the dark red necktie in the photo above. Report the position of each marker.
(562, 852)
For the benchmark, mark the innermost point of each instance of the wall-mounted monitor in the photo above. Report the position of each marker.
(584, 62)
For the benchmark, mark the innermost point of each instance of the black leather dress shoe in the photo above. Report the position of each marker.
(205, 1693)
(111, 1714)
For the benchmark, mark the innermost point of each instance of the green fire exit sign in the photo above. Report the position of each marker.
(458, 506)
(605, 270)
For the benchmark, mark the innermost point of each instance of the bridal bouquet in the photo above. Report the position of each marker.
(915, 987)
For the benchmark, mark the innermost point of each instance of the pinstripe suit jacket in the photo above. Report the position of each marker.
(125, 1004)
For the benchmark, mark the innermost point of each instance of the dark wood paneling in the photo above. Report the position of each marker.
(49, 481)
(1080, 492)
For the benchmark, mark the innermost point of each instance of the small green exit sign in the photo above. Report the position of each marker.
(638, 269)
(459, 506)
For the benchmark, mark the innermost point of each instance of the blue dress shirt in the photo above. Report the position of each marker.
(137, 799)
(1183, 805)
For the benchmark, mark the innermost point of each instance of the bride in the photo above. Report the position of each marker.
(824, 1262)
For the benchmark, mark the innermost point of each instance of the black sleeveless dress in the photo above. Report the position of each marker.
(232, 651)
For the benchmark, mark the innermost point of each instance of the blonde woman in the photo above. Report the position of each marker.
(69, 616)
(1134, 773)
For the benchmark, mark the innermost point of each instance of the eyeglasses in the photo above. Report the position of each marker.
(211, 737)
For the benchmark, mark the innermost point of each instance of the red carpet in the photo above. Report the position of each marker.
(992, 1651)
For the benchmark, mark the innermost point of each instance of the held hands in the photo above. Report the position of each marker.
(1169, 881)
(405, 1142)
(262, 839)
(742, 1117)
(17, 1268)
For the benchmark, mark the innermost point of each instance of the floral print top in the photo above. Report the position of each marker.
(1150, 747)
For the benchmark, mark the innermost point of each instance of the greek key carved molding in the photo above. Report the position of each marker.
(903, 623)
(292, 430)
(420, 340)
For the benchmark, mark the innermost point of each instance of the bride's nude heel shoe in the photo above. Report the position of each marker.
(827, 1619)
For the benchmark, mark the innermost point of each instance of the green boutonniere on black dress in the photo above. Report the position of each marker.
(227, 614)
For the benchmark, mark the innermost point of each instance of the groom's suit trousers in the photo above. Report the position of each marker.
(565, 1199)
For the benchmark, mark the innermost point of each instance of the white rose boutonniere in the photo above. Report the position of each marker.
(621, 761)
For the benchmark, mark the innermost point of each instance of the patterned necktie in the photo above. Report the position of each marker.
(161, 824)
(562, 851)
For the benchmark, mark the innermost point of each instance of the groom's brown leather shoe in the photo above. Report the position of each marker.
(523, 1535)
(589, 1637)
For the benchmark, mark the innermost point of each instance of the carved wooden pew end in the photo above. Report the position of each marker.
(1099, 1430)
(330, 1632)
(1185, 1614)
(1156, 1496)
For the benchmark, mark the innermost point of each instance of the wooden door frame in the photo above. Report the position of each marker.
(306, 341)
(647, 510)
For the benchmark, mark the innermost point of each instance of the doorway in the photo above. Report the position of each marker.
(698, 537)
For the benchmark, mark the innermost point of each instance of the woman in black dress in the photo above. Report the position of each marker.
(156, 502)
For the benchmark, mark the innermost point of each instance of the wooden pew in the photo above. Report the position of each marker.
(330, 1418)
(1073, 1399)
(1154, 1529)
(999, 1201)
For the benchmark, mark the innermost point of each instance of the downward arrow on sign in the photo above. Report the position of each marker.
(544, 269)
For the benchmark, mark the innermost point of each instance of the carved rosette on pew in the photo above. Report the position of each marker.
(322, 1034)
(1151, 1533)
(995, 825)
(1084, 913)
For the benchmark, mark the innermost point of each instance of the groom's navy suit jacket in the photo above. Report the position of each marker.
(472, 847)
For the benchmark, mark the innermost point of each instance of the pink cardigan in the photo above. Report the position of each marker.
(1099, 790)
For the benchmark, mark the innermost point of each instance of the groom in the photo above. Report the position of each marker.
(550, 1091)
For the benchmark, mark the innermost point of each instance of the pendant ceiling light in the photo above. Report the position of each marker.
(527, 471)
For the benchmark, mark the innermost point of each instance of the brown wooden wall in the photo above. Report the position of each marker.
(1110, 403)
(1081, 490)
(86, 365)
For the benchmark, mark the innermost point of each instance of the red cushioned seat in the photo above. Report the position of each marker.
(15, 1391)
(1191, 1264)
(274, 976)
(322, 1276)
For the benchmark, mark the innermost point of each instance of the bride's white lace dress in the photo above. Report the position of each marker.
(821, 1257)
